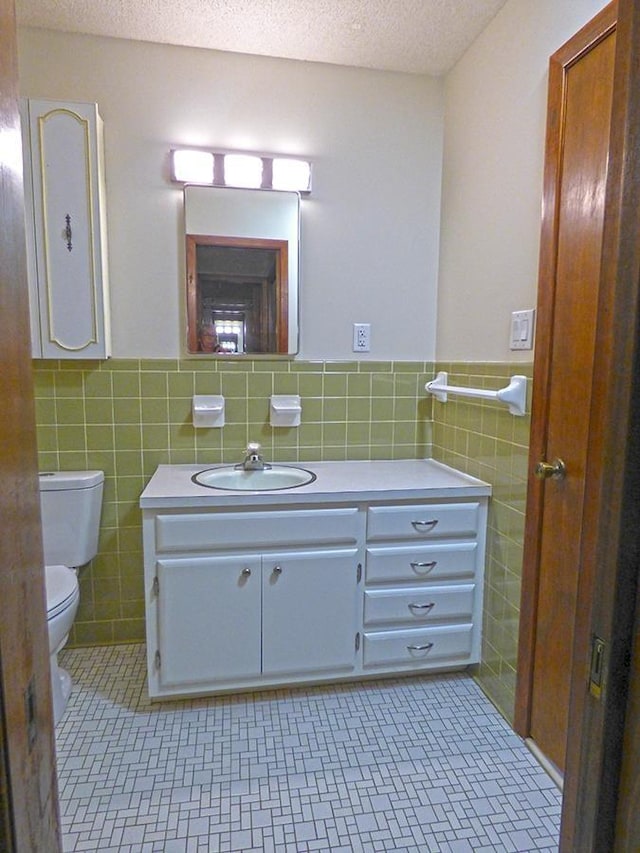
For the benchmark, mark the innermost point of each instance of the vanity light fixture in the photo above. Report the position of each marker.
(189, 165)
(243, 170)
(290, 174)
(239, 169)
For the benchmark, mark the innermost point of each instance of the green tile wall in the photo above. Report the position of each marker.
(483, 439)
(128, 416)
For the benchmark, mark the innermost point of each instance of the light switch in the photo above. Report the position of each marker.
(522, 323)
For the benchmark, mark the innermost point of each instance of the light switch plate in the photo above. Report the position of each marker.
(522, 323)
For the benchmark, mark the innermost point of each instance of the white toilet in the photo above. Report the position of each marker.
(70, 503)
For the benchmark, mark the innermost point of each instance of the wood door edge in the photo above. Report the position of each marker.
(595, 741)
(597, 29)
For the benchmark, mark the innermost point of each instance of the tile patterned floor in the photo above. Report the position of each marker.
(418, 764)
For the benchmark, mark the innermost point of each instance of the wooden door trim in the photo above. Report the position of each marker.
(610, 556)
(581, 43)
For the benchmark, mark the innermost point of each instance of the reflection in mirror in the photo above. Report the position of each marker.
(242, 270)
(239, 289)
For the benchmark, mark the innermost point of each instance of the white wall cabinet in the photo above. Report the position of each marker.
(271, 594)
(66, 229)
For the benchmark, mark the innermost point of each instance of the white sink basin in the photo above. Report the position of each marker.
(266, 480)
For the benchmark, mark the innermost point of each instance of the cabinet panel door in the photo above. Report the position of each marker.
(69, 233)
(208, 619)
(309, 610)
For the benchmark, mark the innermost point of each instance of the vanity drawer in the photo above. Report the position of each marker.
(423, 521)
(418, 647)
(415, 605)
(427, 563)
(227, 530)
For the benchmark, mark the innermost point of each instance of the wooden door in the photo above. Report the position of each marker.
(28, 790)
(605, 728)
(578, 128)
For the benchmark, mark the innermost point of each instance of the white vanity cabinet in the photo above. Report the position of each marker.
(65, 229)
(251, 598)
(326, 582)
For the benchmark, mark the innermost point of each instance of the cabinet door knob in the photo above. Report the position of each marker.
(246, 572)
(424, 526)
(277, 570)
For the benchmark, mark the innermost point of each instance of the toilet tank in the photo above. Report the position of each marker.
(70, 504)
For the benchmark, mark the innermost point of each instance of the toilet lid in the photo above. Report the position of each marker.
(62, 588)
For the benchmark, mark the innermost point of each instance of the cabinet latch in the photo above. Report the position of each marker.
(597, 667)
(359, 573)
(156, 586)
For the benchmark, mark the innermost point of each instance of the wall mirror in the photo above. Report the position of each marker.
(242, 259)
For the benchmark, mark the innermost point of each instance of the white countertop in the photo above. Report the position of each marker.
(403, 479)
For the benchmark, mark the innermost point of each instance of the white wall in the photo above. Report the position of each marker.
(370, 231)
(495, 113)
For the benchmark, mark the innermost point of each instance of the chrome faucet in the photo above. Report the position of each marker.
(253, 461)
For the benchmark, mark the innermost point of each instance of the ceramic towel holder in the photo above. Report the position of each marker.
(285, 410)
(514, 395)
(208, 410)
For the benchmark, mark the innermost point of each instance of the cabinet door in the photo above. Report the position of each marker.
(67, 226)
(309, 611)
(208, 619)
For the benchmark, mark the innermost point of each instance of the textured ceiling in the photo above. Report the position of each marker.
(417, 36)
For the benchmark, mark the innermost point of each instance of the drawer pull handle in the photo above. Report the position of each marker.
(428, 567)
(246, 572)
(424, 526)
(423, 608)
(424, 648)
(277, 570)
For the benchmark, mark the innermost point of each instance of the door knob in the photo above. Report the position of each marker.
(555, 470)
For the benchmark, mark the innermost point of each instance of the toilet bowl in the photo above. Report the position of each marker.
(63, 597)
(70, 503)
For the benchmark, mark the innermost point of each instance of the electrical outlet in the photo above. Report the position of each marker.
(361, 337)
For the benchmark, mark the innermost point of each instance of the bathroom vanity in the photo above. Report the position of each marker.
(374, 568)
